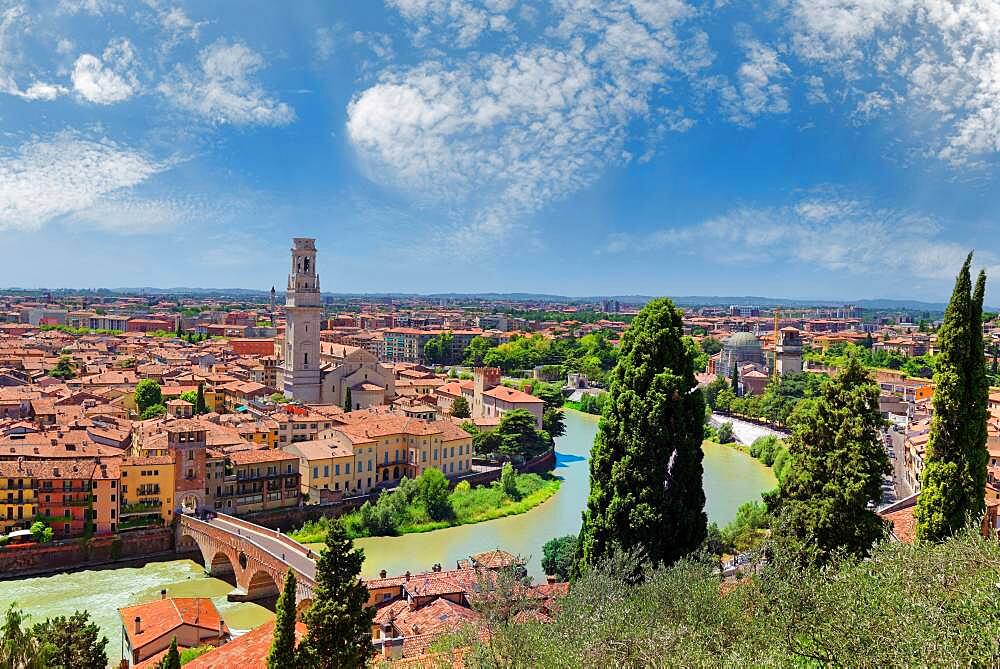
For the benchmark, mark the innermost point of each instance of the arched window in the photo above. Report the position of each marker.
(305, 359)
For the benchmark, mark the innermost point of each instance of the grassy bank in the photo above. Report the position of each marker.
(468, 505)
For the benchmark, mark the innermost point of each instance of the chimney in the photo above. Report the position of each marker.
(138, 625)
(163, 593)
(382, 573)
(407, 574)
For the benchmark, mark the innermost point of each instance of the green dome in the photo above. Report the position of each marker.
(742, 340)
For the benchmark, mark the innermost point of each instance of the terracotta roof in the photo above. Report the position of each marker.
(260, 456)
(248, 651)
(511, 395)
(162, 616)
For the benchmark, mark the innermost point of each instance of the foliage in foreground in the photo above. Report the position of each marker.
(909, 605)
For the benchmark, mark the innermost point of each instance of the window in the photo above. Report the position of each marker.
(326, 470)
(315, 472)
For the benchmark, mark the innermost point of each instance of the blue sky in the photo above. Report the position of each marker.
(830, 149)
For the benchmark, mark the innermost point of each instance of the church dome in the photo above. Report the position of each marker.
(742, 340)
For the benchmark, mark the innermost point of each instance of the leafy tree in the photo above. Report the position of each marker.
(558, 556)
(725, 433)
(711, 345)
(348, 401)
(712, 390)
(190, 396)
(646, 464)
(476, 351)
(19, 648)
(954, 477)
(433, 493)
(508, 482)
(748, 529)
(339, 621)
(200, 407)
(153, 411)
(41, 532)
(64, 369)
(460, 408)
(278, 398)
(75, 642)
(551, 394)
(437, 349)
(172, 660)
(147, 393)
(516, 436)
(836, 446)
(554, 422)
(282, 652)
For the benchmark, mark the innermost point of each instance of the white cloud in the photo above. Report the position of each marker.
(92, 7)
(758, 88)
(125, 214)
(458, 22)
(65, 174)
(325, 43)
(836, 234)
(177, 26)
(495, 138)
(223, 88)
(108, 79)
(14, 22)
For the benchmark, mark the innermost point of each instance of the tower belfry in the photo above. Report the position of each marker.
(301, 367)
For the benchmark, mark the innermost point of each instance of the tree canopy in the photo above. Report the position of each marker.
(646, 464)
(147, 393)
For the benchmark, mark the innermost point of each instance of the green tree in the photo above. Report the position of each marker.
(734, 378)
(153, 411)
(432, 491)
(558, 555)
(437, 349)
(476, 351)
(75, 642)
(19, 648)
(147, 393)
(711, 345)
(348, 401)
(180, 331)
(712, 390)
(954, 477)
(517, 436)
(64, 369)
(172, 660)
(838, 458)
(41, 532)
(190, 396)
(460, 408)
(725, 433)
(554, 422)
(200, 407)
(339, 620)
(646, 464)
(278, 398)
(508, 482)
(282, 652)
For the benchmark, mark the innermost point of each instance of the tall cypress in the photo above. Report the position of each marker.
(339, 620)
(199, 403)
(954, 477)
(838, 460)
(282, 653)
(347, 401)
(646, 465)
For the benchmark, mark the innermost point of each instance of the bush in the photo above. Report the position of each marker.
(433, 494)
(558, 556)
(725, 433)
(508, 482)
(463, 487)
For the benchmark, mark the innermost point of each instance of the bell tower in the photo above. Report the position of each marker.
(301, 367)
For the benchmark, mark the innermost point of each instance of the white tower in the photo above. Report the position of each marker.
(301, 368)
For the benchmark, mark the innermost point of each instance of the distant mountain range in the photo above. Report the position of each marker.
(683, 300)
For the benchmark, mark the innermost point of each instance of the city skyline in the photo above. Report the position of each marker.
(809, 151)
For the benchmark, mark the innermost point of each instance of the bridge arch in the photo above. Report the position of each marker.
(221, 565)
(261, 585)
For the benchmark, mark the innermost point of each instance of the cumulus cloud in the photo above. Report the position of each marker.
(759, 87)
(499, 137)
(65, 174)
(837, 234)
(108, 79)
(223, 88)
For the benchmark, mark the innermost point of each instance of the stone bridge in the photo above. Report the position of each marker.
(257, 557)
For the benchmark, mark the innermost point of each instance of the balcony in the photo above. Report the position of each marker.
(141, 508)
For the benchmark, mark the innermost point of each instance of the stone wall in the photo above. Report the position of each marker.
(34, 559)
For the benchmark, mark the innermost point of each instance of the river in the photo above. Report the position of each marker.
(731, 478)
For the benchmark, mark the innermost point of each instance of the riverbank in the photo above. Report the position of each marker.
(469, 506)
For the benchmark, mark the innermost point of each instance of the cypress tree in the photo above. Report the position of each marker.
(735, 378)
(954, 477)
(347, 401)
(199, 403)
(282, 653)
(837, 465)
(646, 466)
(172, 660)
(339, 620)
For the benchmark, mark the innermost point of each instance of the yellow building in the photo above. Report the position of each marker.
(389, 446)
(147, 491)
(17, 497)
(325, 467)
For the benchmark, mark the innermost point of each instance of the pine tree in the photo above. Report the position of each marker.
(282, 653)
(646, 465)
(339, 620)
(838, 461)
(735, 378)
(172, 660)
(954, 477)
(347, 401)
(199, 403)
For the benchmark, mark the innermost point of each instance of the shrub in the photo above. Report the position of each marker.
(725, 433)
(508, 482)
(462, 488)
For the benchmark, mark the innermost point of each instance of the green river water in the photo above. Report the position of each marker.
(731, 478)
